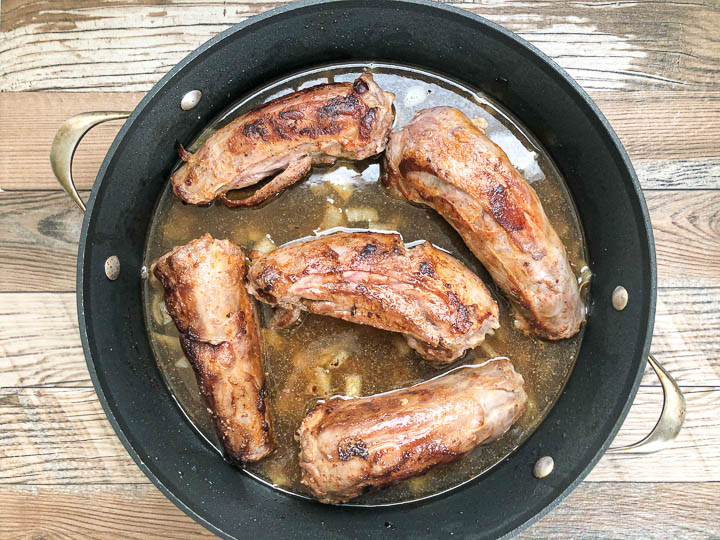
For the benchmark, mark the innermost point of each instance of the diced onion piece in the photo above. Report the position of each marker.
(401, 345)
(385, 226)
(265, 245)
(159, 311)
(480, 123)
(335, 359)
(319, 384)
(273, 338)
(361, 214)
(253, 235)
(333, 217)
(343, 189)
(277, 474)
(182, 363)
(489, 349)
(418, 485)
(171, 344)
(320, 189)
(353, 385)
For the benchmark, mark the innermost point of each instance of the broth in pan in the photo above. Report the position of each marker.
(323, 356)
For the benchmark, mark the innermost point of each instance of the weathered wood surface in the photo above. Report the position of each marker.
(591, 511)
(61, 436)
(127, 45)
(652, 125)
(38, 247)
(652, 67)
(28, 123)
(40, 346)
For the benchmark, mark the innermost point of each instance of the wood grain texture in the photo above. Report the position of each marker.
(626, 510)
(685, 337)
(45, 443)
(40, 345)
(591, 511)
(686, 226)
(39, 241)
(682, 174)
(648, 123)
(40, 341)
(130, 511)
(115, 45)
(653, 67)
(38, 247)
(28, 123)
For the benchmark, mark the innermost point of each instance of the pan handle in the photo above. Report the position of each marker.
(66, 141)
(670, 421)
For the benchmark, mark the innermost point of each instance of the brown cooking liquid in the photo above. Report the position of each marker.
(324, 356)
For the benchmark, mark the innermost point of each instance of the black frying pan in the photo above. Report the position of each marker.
(601, 179)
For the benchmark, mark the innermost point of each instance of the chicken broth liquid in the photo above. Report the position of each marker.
(322, 356)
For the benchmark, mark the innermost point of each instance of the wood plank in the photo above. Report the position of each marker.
(671, 136)
(40, 346)
(686, 341)
(656, 125)
(61, 436)
(134, 511)
(40, 341)
(39, 242)
(38, 248)
(686, 226)
(633, 511)
(703, 173)
(120, 45)
(688, 510)
(28, 123)
(685, 338)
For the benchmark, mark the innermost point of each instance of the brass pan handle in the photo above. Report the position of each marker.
(670, 421)
(66, 141)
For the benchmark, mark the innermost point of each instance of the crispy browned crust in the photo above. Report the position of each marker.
(351, 446)
(315, 125)
(442, 159)
(206, 297)
(372, 278)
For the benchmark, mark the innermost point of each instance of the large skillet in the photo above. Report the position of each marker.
(612, 359)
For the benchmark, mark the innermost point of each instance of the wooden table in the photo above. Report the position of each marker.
(652, 67)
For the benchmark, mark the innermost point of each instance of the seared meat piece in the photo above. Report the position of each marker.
(443, 159)
(372, 278)
(206, 297)
(287, 135)
(351, 446)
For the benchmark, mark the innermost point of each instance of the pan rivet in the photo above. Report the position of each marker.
(543, 467)
(112, 267)
(143, 272)
(619, 298)
(190, 100)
